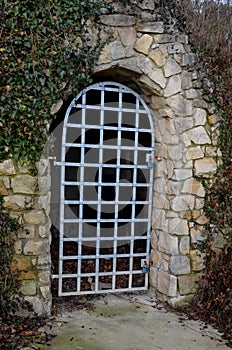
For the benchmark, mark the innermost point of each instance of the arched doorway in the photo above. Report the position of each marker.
(106, 186)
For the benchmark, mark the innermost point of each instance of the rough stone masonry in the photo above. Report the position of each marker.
(146, 52)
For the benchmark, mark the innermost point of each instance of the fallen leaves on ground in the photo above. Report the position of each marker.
(17, 332)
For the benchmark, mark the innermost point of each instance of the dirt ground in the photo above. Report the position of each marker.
(129, 322)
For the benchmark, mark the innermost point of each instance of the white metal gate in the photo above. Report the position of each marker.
(106, 192)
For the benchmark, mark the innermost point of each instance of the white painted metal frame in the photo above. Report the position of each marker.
(96, 165)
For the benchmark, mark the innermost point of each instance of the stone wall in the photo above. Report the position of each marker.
(27, 198)
(153, 58)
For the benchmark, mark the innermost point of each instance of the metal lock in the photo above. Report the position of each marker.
(145, 266)
(149, 160)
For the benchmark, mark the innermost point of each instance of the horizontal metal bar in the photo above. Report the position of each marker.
(101, 256)
(103, 291)
(106, 184)
(113, 108)
(94, 239)
(103, 220)
(102, 202)
(113, 166)
(101, 274)
(106, 146)
(107, 127)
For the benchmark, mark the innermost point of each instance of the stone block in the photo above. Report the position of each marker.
(158, 56)
(182, 174)
(26, 275)
(191, 93)
(143, 44)
(35, 217)
(164, 38)
(176, 48)
(20, 263)
(127, 36)
(183, 123)
(43, 167)
(202, 220)
(146, 4)
(159, 185)
(158, 219)
(199, 136)
(158, 77)
(130, 64)
(197, 260)
(105, 56)
(117, 20)
(194, 153)
(173, 87)
(23, 184)
(117, 50)
(213, 119)
(150, 27)
(3, 189)
(6, 181)
(192, 215)
(205, 166)
(197, 234)
(160, 202)
(179, 265)
(186, 80)
(193, 186)
(180, 105)
(153, 277)
(36, 248)
(183, 203)
(199, 203)
(44, 277)
(175, 152)
(18, 247)
(14, 202)
(44, 185)
(44, 231)
(174, 187)
(199, 116)
(184, 245)
(28, 288)
(178, 226)
(167, 284)
(150, 86)
(45, 291)
(155, 258)
(168, 244)
(37, 304)
(27, 232)
(181, 300)
(171, 68)
(145, 64)
(7, 167)
(160, 169)
(188, 284)
(200, 103)
(154, 239)
(189, 59)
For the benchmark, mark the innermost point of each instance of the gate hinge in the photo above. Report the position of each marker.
(54, 161)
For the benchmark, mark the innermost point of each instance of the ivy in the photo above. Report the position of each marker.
(46, 55)
(8, 285)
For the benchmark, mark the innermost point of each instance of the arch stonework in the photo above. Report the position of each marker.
(155, 60)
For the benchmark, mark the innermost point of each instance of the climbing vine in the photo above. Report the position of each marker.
(8, 284)
(46, 55)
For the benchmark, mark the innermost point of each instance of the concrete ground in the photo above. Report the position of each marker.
(134, 322)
